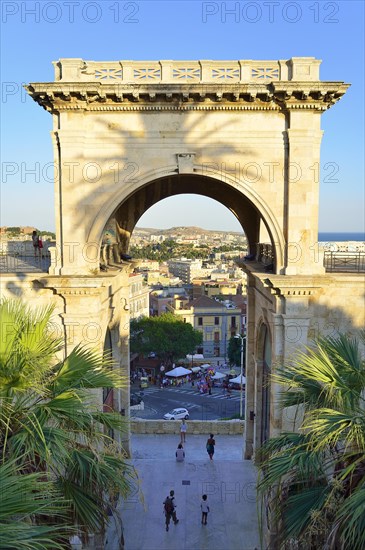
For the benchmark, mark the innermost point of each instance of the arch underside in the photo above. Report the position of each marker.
(130, 211)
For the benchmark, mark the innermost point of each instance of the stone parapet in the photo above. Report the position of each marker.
(166, 71)
(196, 427)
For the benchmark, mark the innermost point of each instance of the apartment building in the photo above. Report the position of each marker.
(185, 269)
(138, 296)
(217, 321)
(160, 299)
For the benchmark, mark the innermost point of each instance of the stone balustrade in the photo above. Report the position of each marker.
(195, 427)
(185, 72)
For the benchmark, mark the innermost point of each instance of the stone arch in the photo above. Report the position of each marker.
(249, 207)
(166, 117)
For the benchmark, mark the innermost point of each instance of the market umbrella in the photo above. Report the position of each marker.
(237, 380)
(178, 371)
(195, 369)
(218, 376)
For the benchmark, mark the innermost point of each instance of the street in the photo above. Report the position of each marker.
(200, 406)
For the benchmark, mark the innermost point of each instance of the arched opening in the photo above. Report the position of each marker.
(248, 208)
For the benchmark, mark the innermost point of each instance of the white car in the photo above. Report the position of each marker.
(177, 414)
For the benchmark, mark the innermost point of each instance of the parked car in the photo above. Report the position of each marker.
(177, 414)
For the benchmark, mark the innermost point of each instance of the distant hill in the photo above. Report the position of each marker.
(183, 230)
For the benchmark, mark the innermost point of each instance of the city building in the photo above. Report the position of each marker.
(217, 321)
(185, 269)
(138, 296)
(160, 299)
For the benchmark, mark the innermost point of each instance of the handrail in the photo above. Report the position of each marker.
(344, 262)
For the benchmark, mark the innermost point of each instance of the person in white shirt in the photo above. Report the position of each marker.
(205, 509)
(183, 428)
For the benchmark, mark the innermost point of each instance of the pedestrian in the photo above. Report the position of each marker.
(180, 453)
(210, 446)
(183, 428)
(169, 509)
(205, 509)
(35, 239)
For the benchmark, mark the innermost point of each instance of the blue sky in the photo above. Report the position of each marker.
(36, 33)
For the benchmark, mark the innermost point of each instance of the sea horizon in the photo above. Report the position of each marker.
(328, 236)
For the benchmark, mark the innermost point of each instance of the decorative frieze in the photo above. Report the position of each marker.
(56, 97)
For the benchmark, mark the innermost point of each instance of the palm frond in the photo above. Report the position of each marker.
(329, 426)
(84, 368)
(299, 509)
(350, 520)
(23, 499)
(26, 346)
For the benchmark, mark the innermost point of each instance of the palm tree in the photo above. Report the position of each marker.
(314, 480)
(52, 427)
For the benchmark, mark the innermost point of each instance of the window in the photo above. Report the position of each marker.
(233, 321)
(216, 337)
(200, 321)
(216, 320)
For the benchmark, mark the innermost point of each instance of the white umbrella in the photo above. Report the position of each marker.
(195, 369)
(206, 366)
(237, 380)
(178, 371)
(218, 375)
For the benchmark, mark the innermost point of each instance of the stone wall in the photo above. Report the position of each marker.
(195, 427)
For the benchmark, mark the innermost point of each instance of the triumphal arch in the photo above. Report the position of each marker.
(127, 134)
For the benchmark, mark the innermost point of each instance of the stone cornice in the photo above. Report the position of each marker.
(94, 96)
(298, 287)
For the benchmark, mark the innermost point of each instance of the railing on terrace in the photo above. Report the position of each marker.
(337, 258)
(344, 262)
(23, 262)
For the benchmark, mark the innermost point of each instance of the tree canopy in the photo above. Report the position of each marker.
(169, 249)
(167, 335)
(234, 351)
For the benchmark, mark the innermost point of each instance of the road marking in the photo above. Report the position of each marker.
(195, 393)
